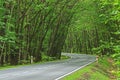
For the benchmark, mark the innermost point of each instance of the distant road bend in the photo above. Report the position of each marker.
(48, 71)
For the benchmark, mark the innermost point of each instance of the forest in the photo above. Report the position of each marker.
(37, 30)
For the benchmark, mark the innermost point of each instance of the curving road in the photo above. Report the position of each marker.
(49, 70)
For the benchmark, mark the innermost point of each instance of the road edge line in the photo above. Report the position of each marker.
(73, 71)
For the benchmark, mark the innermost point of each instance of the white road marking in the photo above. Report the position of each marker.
(73, 71)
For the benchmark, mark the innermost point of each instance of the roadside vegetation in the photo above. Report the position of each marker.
(104, 69)
(45, 59)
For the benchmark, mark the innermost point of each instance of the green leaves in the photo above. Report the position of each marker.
(8, 38)
(39, 7)
(50, 1)
(111, 11)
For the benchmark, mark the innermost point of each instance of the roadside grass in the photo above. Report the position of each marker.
(7, 67)
(101, 70)
(4, 67)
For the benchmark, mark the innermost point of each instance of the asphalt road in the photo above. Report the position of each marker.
(49, 70)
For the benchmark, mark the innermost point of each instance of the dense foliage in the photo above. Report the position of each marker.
(86, 32)
(110, 15)
(30, 29)
(96, 29)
